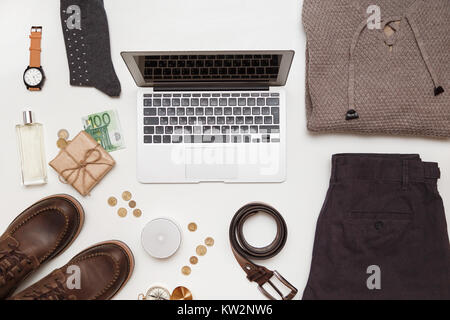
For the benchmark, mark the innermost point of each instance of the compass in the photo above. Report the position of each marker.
(155, 293)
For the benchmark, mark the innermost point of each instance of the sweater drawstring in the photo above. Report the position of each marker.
(352, 114)
(438, 89)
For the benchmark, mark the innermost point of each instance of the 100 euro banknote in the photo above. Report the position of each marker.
(105, 128)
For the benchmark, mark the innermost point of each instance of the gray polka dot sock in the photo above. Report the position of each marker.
(86, 35)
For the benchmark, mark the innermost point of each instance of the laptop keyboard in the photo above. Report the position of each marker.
(247, 117)
(232, 67)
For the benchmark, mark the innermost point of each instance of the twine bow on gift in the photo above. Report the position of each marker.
(80, 169)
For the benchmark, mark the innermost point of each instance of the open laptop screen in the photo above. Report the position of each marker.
(212, 68)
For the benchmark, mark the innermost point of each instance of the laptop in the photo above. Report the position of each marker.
(216, 116)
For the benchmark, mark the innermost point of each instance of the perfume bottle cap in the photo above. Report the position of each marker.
(27, 117)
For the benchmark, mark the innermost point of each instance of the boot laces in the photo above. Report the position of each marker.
(12, 262)
(50, 291)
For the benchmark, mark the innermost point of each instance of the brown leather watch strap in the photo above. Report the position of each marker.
(35, 47)
(243, 251)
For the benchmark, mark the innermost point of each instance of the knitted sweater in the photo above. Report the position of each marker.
(393, 80)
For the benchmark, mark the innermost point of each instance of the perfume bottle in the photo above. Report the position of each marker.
(30, 139)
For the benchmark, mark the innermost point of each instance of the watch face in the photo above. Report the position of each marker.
(33, 77)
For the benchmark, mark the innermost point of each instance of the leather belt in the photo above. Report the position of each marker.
(243, 251)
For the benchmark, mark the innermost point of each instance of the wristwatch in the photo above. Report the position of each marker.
(34, 77)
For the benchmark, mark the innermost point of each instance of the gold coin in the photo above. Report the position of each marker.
(137, 213)
(63, 134)
(61, 143)
(201, 250)
(122, 212)
(192, 226)
(181, 293)
(209, 241)
(193, 260)
(186, 270)
(126, 195)
(112, 201)
(132, 204)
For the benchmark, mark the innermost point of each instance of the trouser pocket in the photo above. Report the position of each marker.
(371, 231)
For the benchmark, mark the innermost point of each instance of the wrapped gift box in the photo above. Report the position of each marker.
(82, 163)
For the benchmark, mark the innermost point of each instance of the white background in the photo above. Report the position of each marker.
(177, 25)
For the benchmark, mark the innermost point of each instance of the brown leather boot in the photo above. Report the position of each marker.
(36, 236)
(97, 273)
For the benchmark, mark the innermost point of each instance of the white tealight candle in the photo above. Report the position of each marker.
(161, 238)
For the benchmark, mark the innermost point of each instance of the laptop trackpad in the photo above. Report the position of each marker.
(208, 169)
(214, 172)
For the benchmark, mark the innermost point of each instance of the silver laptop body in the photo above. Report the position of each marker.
(216, 116)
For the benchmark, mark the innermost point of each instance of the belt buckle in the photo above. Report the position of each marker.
(290, 296)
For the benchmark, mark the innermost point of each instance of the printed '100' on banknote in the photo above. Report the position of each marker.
(105, 128)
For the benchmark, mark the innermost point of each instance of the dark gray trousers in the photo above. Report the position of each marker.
(382, 232)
